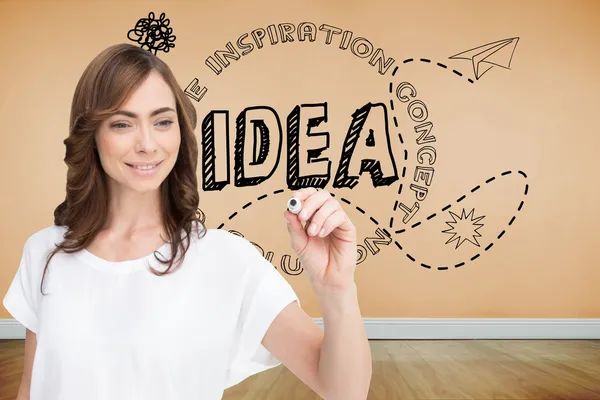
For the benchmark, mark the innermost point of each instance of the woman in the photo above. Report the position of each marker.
(141, 300)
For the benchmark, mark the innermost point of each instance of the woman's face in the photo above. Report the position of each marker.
(143, 134)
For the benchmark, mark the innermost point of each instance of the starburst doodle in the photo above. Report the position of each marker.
(464, 227)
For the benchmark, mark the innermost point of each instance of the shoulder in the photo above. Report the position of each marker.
(231, 242)
(45, 239)
(37, 247)
(222, 237)
(234, 249)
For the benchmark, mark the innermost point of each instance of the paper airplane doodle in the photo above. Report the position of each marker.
(485, 57)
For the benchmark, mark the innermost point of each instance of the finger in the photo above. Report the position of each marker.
(312, 203)
(321, 215)
(339, 219)
(298, 236)
(304, 193)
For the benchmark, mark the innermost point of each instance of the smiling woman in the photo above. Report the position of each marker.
(109, 329)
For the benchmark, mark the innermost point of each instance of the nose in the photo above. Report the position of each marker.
(146, 140)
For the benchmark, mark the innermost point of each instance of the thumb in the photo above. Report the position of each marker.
(298, 235)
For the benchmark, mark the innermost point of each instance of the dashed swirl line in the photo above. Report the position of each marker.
(428, 61)
(416, 224)
(395, 120)
(461, 198)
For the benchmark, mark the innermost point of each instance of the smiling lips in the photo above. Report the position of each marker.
(144, 168)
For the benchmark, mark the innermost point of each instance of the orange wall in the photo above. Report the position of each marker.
(535, 117)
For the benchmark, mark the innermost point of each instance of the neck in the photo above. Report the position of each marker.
(133, 213)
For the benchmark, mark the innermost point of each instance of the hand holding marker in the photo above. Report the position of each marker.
(324, 239)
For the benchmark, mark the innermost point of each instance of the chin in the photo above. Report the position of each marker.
(146, 187)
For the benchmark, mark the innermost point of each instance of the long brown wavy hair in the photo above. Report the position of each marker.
(104, 86)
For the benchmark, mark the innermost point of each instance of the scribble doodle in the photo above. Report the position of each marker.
(463, 228)
(389, 237)
(488, 56)
(153, 34)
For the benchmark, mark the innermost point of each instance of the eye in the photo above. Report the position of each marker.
(167, 121)
(119, 125)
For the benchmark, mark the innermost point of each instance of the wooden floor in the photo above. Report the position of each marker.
(418, 369)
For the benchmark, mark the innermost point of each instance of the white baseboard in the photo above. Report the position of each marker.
(480, 328)
(440, 328)
(11, 329)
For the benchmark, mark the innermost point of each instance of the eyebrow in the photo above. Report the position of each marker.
(134, 115)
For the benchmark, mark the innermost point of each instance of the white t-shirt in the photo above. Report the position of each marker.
(112, 331)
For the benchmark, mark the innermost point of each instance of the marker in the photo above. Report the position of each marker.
(294, 205)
